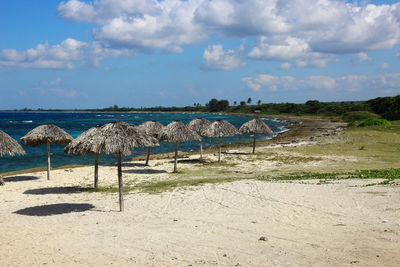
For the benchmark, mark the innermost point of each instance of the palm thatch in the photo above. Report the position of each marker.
(83, 144)
(113, 138)
(255, 126)
(197, 125)
(177, 132)
(9, 146)
(152, 128)
(46, 134)
(219, 128)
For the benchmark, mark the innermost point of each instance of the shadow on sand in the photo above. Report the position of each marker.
(235, 153)
(57, 190)
(191, 161)
(144, 171)
(20, 178)
(54, 209)
(133, 164)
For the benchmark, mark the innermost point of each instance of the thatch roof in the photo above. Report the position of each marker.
(219, 128)
(111, 138)
(255, 126)
(46, 133)
(83, 144)
(198, 124)
(9, 146)
(152, 128)
(176, 131)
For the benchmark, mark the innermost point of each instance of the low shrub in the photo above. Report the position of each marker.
(359, 116)
(374, 122)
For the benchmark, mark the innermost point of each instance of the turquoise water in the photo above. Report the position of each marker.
(17, 124)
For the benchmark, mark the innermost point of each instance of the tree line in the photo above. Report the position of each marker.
(386, 107)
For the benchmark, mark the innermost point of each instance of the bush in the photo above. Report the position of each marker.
(359, 116)
(374, 122)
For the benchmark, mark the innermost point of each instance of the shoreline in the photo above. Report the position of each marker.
(301, 129)
(229, 214)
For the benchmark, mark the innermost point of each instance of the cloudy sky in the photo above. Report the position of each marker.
(143, 53)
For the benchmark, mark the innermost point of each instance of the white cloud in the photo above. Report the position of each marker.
(349, 83)
(303, 33)
(361, 57)
(280, 49)
(216, 58)
(43, 56)
(286, 66)
(307, 31)
(76, 11)
(384, 66)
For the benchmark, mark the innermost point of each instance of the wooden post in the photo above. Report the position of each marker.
(120, 184)
(96, 170)
(148, 156)
(48, 160)
(219, 142)
(201, 148)
(176, 157)
(254, 143)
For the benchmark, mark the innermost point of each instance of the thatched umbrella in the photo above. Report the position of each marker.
(117, 138)
(83, 144)
(9, 146)
(46, 134)
(177, 132)
(218, 129)
(152, 128)
(255, 126)
(197, 125)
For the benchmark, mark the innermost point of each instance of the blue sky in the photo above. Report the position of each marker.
(143, 53)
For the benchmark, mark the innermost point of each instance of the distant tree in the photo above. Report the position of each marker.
(259, 102)
(313, 106)
(242, 103)
(115, 107)
(214, 105)
(222, 105)
(234, 103)
(249, 101)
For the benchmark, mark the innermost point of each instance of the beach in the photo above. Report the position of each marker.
(231, 217)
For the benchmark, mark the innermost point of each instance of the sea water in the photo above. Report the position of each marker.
(18, 124)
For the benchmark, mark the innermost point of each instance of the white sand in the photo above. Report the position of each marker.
(304, 223)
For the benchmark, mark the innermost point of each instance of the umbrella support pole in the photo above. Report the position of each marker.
(148, 156)
(219, 152)
(176, 157)
(96, 170)
(254, 143)
(48, 161)
(120, 184)
(201, 148)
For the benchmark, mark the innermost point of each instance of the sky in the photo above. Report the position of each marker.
(145, 53)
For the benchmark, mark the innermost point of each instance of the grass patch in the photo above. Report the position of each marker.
(162, 186)
(389, 174)
(324, 178)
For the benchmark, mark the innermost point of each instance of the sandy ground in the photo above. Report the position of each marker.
(242, 223)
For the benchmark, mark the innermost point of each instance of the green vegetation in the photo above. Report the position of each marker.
(390, 176)
(351, 111)
(374, 122)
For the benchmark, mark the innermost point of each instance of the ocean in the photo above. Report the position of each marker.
(17, 124)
